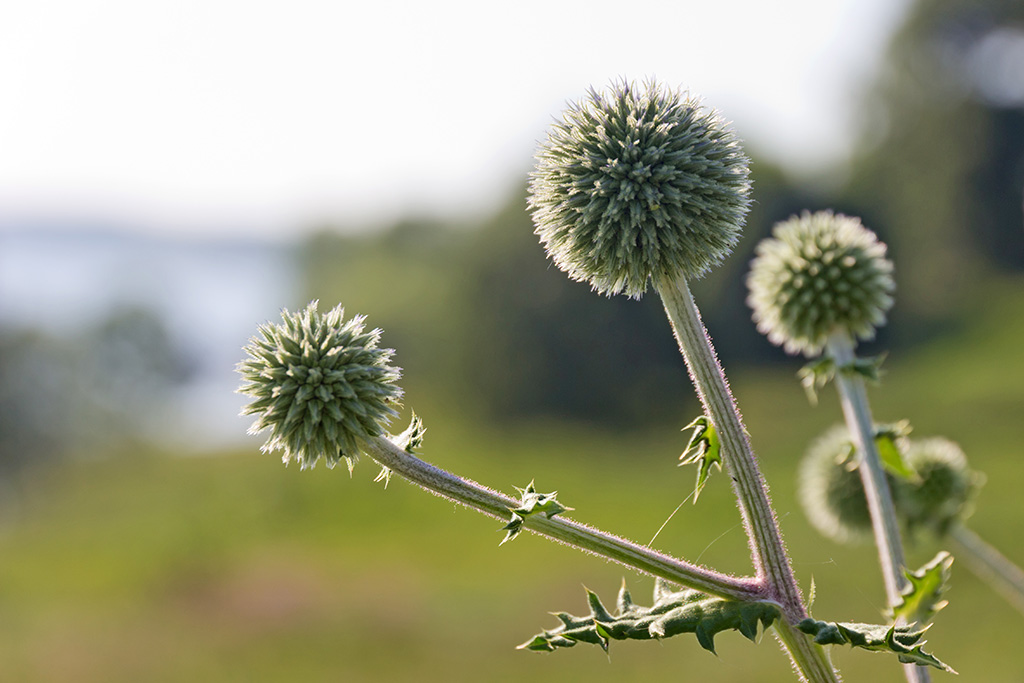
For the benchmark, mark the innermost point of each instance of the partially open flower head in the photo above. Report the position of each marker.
(819, 274)
(320, 385)
(638, 183)
(945, 488)
(831, 490)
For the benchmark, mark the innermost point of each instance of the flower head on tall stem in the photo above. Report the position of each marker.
(638, 183)
(320, 385)
(818, 275)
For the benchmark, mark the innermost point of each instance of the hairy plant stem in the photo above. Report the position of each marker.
(499, 505)
(884, 524)
(989, 564)
(770, 559)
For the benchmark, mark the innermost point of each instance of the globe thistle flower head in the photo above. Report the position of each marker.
(944, 488)
(319, 384)
(819, 274)
(831, 490)
(638, 183)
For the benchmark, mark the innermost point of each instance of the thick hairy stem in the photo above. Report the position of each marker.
(567, 531)
(989, 564)
(769, 554)
(809, 659)
(884, 524)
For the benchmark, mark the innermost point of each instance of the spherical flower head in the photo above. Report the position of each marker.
(818, 275)
(944, 489)
(638, 183)
(320, 385)
(831, 490)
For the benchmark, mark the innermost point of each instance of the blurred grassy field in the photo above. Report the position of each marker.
(143, 567)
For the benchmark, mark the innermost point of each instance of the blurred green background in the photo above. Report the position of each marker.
(120, 560)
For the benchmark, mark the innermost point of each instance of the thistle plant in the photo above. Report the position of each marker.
(819, 283)
(635, 186)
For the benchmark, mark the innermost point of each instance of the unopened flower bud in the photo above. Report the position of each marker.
(831, 490)
(638, 183)
(320, 385)
(819, 274)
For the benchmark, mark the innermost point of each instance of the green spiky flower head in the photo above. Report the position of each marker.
(831, 490)
(320, 385)
(638, 183)
(819, 274)
(945, 486)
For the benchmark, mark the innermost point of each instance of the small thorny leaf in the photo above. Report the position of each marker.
(704, 448)
(888, 438)
(410, 441)
(531, 503)
(816, 374)
(924, 597)
(903, 641)
(673, 612)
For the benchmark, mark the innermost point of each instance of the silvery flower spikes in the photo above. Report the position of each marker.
(321, 386)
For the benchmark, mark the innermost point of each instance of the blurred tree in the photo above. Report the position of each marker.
(542, 346)
(90, 390)
(941, 171)
(36, 406)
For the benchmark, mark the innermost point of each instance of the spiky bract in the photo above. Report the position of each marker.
(831, 489)
(637, 183)
(320, 385)
(819, 274)
(945, 486)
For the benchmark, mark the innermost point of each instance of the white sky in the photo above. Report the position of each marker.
(261, 117)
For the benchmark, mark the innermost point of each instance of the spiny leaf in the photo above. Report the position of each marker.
(531, 503)
(887, 441)
(903, 641)
(704, 448)
(924, 598)
(869, 368)
(815, 375)
(673, 613)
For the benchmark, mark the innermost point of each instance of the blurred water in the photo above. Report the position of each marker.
(210, 295)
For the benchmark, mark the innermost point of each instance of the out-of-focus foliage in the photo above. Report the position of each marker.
(77, 392)
(35, 404)
(941, 172)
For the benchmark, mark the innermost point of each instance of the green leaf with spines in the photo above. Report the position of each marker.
(888, 438)
(816, 374)
(673, 612)
(923, 599)
(904, 641)
(531, 502)
(704, 449)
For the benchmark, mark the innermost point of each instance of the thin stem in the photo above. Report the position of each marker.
(769, 554)
(991, 565)
(854, 398)
(567, 531)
